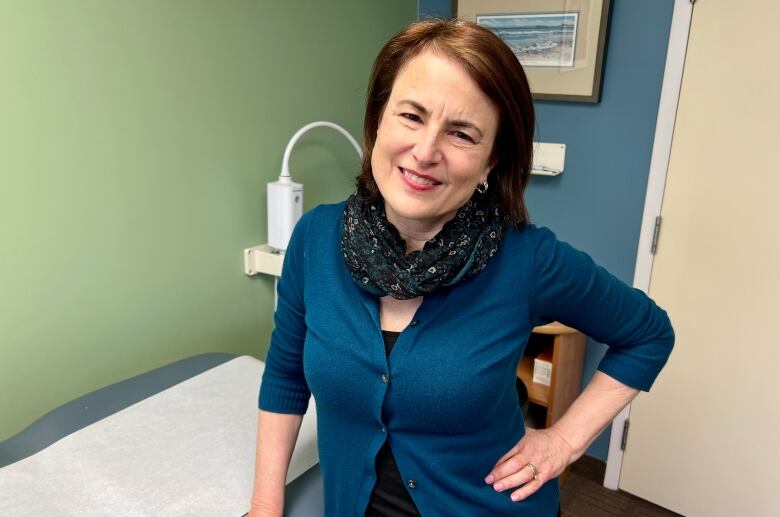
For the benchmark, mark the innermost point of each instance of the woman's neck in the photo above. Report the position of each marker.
(416, 232)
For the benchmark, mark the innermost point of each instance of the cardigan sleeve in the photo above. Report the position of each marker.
(570, 288)
(284, 388)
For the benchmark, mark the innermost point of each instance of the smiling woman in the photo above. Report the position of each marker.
(408, 334)
(434, 144)
(466, 91)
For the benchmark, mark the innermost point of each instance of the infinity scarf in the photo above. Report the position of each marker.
(376, 256)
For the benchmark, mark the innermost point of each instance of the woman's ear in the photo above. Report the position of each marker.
(492, 162)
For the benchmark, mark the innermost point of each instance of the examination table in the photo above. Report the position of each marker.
(178, 440)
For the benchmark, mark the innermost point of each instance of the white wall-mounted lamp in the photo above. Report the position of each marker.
(285, 206)
(285, 197)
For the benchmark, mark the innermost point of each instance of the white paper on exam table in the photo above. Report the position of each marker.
(188, 450)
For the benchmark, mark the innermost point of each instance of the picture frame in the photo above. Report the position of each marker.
(560, 43)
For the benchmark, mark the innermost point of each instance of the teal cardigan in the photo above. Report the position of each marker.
(445, 398)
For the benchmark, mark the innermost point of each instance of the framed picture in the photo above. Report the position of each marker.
(560, 43)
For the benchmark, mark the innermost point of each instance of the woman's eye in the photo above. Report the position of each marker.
(411, 116)
(463, 136)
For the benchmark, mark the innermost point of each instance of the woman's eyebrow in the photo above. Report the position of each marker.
(416, 105)
(465, 124)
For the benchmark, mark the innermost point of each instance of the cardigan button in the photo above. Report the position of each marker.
(412, 483)
(414, 323)
(385, 378)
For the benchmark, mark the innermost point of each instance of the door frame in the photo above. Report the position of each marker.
(656, 182)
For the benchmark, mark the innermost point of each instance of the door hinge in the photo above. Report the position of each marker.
(625, 436)
(656, 232)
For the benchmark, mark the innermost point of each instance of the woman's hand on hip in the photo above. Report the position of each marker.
(538, 457)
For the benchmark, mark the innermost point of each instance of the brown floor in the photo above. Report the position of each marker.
(582, 495)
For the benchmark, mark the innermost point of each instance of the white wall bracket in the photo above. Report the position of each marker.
(548, 159)
(262, 260)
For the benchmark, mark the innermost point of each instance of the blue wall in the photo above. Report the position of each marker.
(596, 205)
(435, 8)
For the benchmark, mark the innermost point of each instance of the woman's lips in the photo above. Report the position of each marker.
(418, 181)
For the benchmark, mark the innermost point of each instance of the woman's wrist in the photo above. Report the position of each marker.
(592, 411)
(570, 445)
(266, 505)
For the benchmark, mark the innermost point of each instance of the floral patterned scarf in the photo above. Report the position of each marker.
(376, 255)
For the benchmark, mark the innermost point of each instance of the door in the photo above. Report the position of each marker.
(706, 440)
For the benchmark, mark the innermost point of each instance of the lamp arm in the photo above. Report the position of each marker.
(285, 175)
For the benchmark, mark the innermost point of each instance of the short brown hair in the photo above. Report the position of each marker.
(497, 72)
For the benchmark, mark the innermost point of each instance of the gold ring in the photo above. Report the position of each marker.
(533, 469)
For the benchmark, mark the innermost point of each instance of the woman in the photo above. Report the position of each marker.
(404, 310)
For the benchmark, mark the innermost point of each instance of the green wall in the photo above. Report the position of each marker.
(136, 139)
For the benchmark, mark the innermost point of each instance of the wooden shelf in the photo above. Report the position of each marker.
(537, 393)
(568, 346)
(555, 328)
(568, 355)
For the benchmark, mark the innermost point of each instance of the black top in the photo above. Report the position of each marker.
(389, 497)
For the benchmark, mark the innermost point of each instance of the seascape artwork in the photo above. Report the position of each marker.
(540, 40)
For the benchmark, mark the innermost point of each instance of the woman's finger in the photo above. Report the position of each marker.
(509, 467)
(511, 452)
(516, 478)
(526, 490)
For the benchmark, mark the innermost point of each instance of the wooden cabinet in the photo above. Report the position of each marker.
(567, 359)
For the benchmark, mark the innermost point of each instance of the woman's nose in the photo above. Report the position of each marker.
(427, 150)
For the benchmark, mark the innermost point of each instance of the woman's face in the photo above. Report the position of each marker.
(434, 141)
